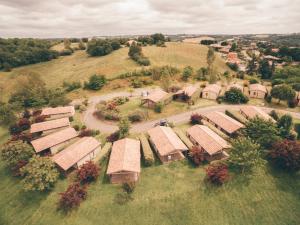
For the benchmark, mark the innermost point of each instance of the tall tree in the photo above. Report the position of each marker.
(283, 92)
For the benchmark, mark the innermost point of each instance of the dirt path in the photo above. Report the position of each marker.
(108, 127)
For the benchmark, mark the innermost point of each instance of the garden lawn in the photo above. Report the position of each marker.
(165, 194)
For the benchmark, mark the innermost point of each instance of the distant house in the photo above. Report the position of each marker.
(189, 93)
(257, 91)
(52, 141)
(223, 122)
(232, 57)
(157, 96)
(166, 143)
(206, 139)
(125, 161)
(59, 112)
(250, 112)
(82, 151)
(238, 86)
(211, 91)
(50, 126)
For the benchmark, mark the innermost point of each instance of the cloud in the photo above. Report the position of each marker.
(70, 18)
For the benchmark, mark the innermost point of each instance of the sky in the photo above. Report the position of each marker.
(87, 18)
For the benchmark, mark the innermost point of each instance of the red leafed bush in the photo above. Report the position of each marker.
(36, 112)
(16, 169)
(197, 155)
(72, 197)
(195, 118)
(286, 154)
(217, 173)
(111, 106)
(113, 137)
(88, 172)
(40, 118)
(86, 133)
(24, 123)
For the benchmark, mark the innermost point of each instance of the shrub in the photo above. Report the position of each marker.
(26, 114)
(197, 155)
(36, 112)
(124, 126)
(235, 96)
(72, 86)
(297, 129)
(217, 173)
(292, 103)
(269, 99)
(196, 119)
(72, 197)
(136, 116)
(147, 152)
(40, 118)
(86, 133)
(96, 82)
(286, 155)
(76, 127)
(253, 81)
(129, 187)
(24, 123)
(88, 172)
(113, 137)
(136, 83)
(158, 107)
(274, 115)
(15, 129)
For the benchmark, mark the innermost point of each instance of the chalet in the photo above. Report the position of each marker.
(237, 86)
(82, 151)
(211, 91)
(250, 112)
(223, 122)
(257, 91)
(166, 143)
(125, 161)
(54, 140)
(157, 96)
(50, 126)
(189, 93)
(59, 112)
(213, 145)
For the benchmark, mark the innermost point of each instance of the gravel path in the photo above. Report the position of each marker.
(108, 127)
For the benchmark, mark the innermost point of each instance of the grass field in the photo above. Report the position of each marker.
(79, 66)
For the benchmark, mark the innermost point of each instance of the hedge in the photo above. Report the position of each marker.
(103, 152)
(183, 137)
(236, 115)
(147, 151)
(216, 130)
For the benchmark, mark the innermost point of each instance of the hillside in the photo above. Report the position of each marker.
(80, 66)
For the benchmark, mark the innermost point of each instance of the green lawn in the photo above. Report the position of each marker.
(165, 194)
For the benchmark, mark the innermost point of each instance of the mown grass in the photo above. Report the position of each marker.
(165, 194)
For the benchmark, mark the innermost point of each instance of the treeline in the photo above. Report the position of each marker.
(207, 42)
(136, 54)
(289, 75)
(101, 47)
(157, 39)
(19, 52)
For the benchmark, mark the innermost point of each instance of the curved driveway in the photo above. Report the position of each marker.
(108, 127)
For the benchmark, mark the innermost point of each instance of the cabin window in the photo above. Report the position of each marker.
(169, 157)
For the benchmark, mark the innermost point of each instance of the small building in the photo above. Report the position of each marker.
(78, 153)
(50, 126)
(223, 122)
(59, 112)
(52, 141)
(250, 112)
(237, 86)
(157, 96)
(188, 93)
(211, 91)
(167, 144)
(257, 91)
(125, 161)
(225, 49)
(206, 139)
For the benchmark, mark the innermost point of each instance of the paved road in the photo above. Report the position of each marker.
(108, 127)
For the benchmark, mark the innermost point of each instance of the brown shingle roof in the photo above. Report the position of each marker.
(257, 87)
(225, 122)
(58, 110)
(165, 140)
(125, 156)
(156, 96)
(49, 125)
(54, 139)
(75, 152)
(212, 88)
(188, 90)
(252, 111)
(211, 142)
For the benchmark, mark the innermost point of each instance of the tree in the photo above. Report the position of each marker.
(252, 68)
(196, 118)
(187, 73)
(283, 92)
(285, 122)
(285, 154)
(124, 126)
(134, 50)
(158, 38)
(72, 197)
(158, 107)
(263, 132)
(88, 172)
(96, 82)
(217, 173)
(40, 174)
(7, 114)
(265, 69)
(234, 47)
(197, 154)
(235, 96)
(244, 154)
(15, 151)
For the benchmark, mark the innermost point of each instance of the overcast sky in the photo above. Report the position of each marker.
(84, 18)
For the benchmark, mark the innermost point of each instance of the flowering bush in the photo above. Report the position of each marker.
(88, 172)
(217, 173)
